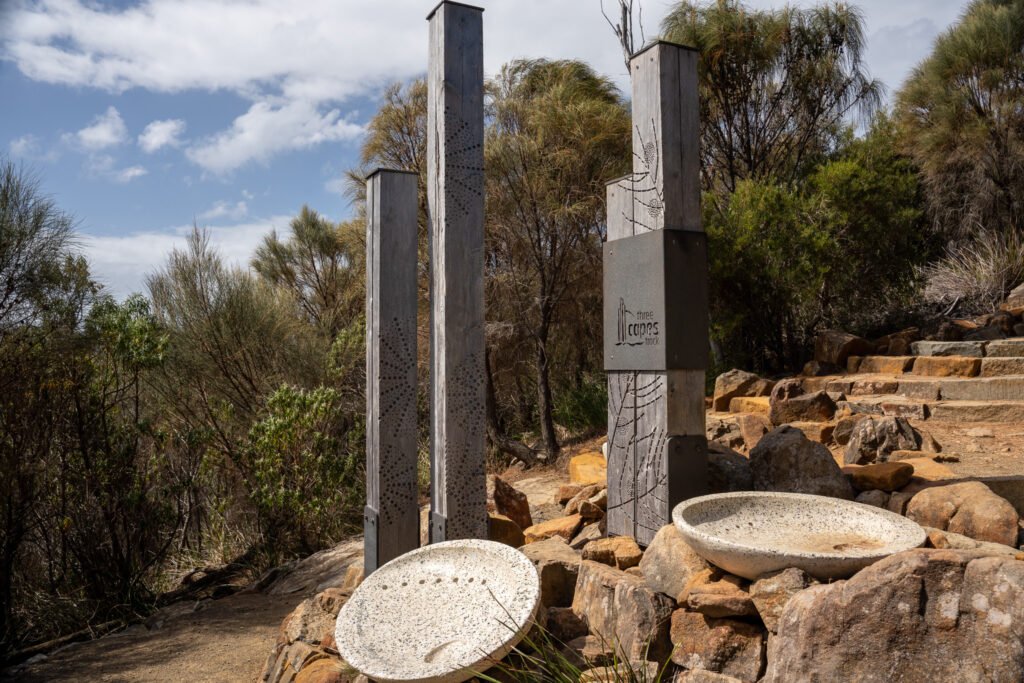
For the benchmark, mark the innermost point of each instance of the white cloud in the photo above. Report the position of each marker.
(122, 262)
(164, 133)
(336, 186)
(268, 128)
(29, 147)
(225, 209)
(104, 166)
(106, 130)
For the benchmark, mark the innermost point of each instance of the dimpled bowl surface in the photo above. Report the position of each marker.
(749, 533)
(440, 613)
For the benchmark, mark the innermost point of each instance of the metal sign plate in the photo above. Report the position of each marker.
(656, 302)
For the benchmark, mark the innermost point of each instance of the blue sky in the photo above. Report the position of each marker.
(143, 116)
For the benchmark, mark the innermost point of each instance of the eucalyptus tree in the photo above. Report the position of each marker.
(962, 115)
(558, 131)
(778, 86)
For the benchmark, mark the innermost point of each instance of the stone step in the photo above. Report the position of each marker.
(941, 348)
(881, 365)
(976, 411)
(947, 366)
(1007, 388)
(999, 367)
(1005, 348)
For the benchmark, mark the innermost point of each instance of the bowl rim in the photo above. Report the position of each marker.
(687, 529)
(510, 557)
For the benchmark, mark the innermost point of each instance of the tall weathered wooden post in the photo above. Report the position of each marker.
(656, 302)
(455, 197)
(391, 517)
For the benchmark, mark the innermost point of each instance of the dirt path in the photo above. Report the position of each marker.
(224, 641)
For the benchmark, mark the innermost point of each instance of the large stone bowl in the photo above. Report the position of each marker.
(750, 533)
(441, 613)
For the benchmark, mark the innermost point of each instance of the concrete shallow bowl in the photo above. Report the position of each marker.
(750, 533)
(440, 613)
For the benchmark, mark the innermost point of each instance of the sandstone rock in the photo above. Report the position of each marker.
(622, 610)
(1008, 348)
(590, 512)
(566, 527)
(752, 427)
(600, 499)
(1015, 299)
(786, 460)
(669, 563)
(813, 407)
(947, 540)
(878, 499)
(915, 617)
(566, 492)
(634, 671)
(969, 508)
(723, 430)
(618, 551)
(886, 365)
(309, 623)
(701, 676)
(589, 650)
(726, 646)
(715, 594)
(588, 468)
(844, 428)
(564, 625)
(874, 438)
(771, 592)
(884, 476)
(327, 670)
(728, 470)
(813, 368)
(503, 530)
(898, 502)
(756, 405)
(818, 432)
(558, 566)
(948, 348)
(587, 534)
(287, 660)
(354, 576)
(512, 503)
(833, 346)
(585, 493)
(947, 366)
(735, 383)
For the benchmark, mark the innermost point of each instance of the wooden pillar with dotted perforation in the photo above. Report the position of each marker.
(391, 517)
(455, 199)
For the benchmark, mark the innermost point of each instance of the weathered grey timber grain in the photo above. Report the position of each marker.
(657, 451)
(391, 518)
(455, 198)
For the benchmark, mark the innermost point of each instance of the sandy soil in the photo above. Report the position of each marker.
(224, 641)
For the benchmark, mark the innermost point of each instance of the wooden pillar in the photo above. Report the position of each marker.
(455, 197)
(391, 518)
(657, 449)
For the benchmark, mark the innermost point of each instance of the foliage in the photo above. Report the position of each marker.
(321, 265)
(962, 114)
(558, 131)
(974, 277)
(583, 407)
(306, 457)
(787, 260)
(777, 86)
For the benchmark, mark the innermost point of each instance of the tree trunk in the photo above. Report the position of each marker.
(544, 406)
(495, 433)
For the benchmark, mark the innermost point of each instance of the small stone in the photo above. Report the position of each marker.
(618, 551)
(585, 493)
(771, 592)
(968, 508)
(844, 427)
(735, 383)
(590, 512)
(588, 468)
(756, 405)
(727, 646)
(590, 650)
(512, 503)
(566, 527)
(835, 347)
(884, 476)
(876, 498)
(788, 403)
(716, 595)
(327, 670)
(566, 492)
(587, 534)
(503, 530)
(669, 563)
(600, 499)
(558, 567)
(564, 625)
(874, 438)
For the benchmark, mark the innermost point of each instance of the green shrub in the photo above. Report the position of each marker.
(584, 406)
